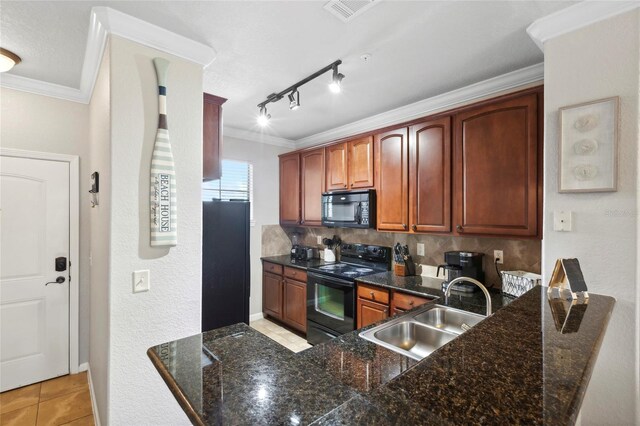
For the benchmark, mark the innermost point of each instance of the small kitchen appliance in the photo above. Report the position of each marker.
(304, 253)
(352, 209)
(462, 264)
(331, 296)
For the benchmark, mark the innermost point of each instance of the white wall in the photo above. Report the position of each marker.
(599, 61)
(171, 309)
(39, 123)
(265, 200)
(100, 143)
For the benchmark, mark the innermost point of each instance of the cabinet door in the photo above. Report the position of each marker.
(290, 189)
(295, 304)
(430, 176)
(371, 312)
(212, 137)
(336, 172)
(393, 178)
(496, 168)
(360, 159)
(312, 184)
(272, 294)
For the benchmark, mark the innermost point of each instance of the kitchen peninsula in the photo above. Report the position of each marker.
(514, 367)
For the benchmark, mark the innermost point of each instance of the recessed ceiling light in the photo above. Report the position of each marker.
(8, 59)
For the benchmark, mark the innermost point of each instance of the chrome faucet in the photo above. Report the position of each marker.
(447, 291)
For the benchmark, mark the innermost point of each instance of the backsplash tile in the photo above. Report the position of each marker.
(519, 254)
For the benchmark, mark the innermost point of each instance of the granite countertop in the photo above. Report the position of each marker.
(515, 367)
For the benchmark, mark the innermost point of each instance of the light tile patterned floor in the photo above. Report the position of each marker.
(280, 334)
(61, 401)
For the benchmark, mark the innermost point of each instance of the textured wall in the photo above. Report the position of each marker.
(599, 61)
(518, 254)
(40, 123)
(171, 309)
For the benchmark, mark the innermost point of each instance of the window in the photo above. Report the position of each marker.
(236, 184)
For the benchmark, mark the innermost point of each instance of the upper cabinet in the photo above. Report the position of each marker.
(496, 168)
(393, 180)
(311, 186)
(337, 170)
(212, 137)
(361, 163)
(430, 175)
(290, 189)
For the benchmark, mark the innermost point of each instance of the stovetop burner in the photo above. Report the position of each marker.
(333, 266)
(357, 260)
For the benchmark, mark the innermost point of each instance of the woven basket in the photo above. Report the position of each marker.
(516, 283)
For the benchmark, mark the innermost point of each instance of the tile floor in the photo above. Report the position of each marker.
(61, 401)
(280, 334)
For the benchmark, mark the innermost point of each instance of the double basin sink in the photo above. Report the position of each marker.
(421, 332)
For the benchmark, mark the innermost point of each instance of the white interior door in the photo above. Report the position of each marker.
(34, 231)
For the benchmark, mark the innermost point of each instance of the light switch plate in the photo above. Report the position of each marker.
(141, 281)
(420, 249)
(319, 239)
(562, 220)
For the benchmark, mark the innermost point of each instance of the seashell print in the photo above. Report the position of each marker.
(585, 146)
(586, 123)
(585, 172)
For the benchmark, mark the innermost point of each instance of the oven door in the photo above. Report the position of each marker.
(331, 303)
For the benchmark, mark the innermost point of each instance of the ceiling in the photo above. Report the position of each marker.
(419, 49)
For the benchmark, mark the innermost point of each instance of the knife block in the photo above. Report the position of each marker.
(407, 269)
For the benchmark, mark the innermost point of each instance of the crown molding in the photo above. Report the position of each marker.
(574, 17)
(258, 137)
(104, 22)
(458, 97)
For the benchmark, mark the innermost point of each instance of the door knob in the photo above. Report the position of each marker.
(58, 280)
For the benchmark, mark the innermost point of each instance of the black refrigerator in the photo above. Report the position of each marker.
(225, 263)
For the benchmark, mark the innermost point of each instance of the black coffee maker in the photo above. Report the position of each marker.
(462, 264)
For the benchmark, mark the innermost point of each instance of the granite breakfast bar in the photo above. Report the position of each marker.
(512, 368)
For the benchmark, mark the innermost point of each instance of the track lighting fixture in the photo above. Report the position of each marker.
(294, 96)
(263, 118)
(336, 81)
(294, 100)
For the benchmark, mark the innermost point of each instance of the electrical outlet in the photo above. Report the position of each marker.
(319, 239)
(498, 256)
(141, 281)
(420, 249)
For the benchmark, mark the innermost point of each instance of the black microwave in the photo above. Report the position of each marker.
(353, 209)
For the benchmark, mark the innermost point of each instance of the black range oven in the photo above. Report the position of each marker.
(331, 297)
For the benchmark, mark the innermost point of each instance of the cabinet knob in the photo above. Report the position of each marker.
(345, 185)
(373, 296)
(386, 311)
(459, 228)
(404, 226)
(301, 222)
(411, 303)
(352, 185)
(414, 227)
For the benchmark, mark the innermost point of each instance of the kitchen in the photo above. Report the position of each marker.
(485, 199)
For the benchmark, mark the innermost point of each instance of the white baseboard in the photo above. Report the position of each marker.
(94, 404)
(83, 367)
(256, 317)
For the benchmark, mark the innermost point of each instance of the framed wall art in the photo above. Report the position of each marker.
(589, 146)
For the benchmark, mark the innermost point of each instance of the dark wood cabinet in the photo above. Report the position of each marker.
(370, 312)
(393, 180)
(361, 163)
(290, 189)
(212, 137)
(430, 175)
(496, 168)
(312, 186)
(336, 173)
(272, 291)
(295, 304)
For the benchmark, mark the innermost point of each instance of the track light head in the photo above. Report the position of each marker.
(263, 117)
(336, 81)
(294, 100)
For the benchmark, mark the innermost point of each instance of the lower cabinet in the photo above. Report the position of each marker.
(284, 295)
(376, 303)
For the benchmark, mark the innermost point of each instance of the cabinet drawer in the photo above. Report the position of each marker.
(403, 301)
(295, 274)
(375, 294)
(272, 267)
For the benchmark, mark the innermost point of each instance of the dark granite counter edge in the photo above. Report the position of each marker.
(175, 389)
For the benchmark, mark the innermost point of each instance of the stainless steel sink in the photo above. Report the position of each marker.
(448, 319)
(421, 332)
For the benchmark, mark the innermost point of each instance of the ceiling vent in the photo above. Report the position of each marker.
(346, 10)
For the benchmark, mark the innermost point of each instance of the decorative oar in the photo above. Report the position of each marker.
(163, 177)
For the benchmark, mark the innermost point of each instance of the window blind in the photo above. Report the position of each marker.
(236, 184)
